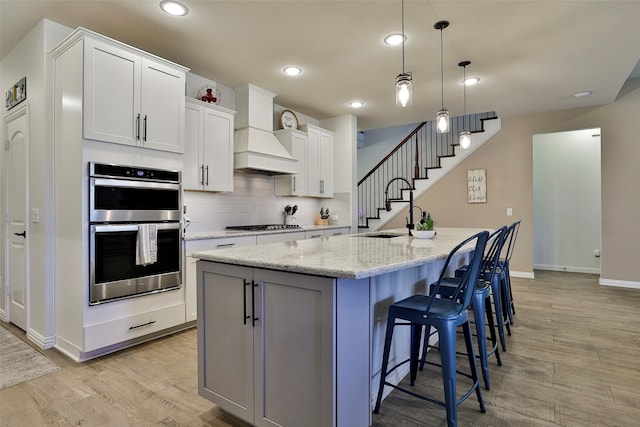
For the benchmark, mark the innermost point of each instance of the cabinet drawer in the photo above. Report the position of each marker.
(219, 243)
(116, 331)
(316, 234)
(280, 237)
(337, 232)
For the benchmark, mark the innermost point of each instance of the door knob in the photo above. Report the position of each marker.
(23, 234)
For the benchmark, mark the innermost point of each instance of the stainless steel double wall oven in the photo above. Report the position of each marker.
(121, 199)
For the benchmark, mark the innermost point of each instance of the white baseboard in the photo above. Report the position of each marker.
(522, 274)
(619, 283)
(42, 342)
(568, 269)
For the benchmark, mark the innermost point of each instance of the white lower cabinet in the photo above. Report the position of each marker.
(280, 237)
(266, 344)
(190, 278)
(337, 231)
(111, 332)
(316, 234)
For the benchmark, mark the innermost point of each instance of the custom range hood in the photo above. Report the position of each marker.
(255, 147)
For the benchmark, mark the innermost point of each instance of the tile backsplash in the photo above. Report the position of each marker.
(253, 201)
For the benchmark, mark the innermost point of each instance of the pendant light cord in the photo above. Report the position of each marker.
(403, 37)
(441, 69)
(464, 91)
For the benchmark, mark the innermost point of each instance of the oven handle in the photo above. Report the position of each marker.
(107, 182)
(118, 228)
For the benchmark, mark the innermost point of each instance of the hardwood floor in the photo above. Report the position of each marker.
(572, 360)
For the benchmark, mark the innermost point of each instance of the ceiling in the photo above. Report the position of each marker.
(531, 56)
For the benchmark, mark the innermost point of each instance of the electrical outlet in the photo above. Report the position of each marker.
(509, 212)
(596, 253)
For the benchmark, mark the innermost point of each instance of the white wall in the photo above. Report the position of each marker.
(345, 164)
(30, 58)
(567, 201)
(377, 143)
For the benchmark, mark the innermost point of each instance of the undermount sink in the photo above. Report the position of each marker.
(383, 235)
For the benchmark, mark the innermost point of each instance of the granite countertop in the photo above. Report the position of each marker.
(217, 234)
(354, 256)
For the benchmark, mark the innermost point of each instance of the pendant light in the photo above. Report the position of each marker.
(442, 118)
(465, 134)
(404, 86)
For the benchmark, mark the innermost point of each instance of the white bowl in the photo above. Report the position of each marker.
(423, 234)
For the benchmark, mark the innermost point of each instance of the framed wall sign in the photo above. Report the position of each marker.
(16, 94)
(477, 185)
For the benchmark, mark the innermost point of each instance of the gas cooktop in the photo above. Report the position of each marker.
(262, 227)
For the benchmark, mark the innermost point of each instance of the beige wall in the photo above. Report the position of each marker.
(508, 159)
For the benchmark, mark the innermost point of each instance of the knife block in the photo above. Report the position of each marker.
(320, 221)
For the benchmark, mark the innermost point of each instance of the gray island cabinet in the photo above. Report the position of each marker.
(291, 333)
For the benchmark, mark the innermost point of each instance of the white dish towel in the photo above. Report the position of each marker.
(147, 244)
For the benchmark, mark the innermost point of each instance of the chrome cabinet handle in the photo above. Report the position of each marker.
(202, 175)
(138, 127)
(225, 245)
(206, 168)
(294, 183)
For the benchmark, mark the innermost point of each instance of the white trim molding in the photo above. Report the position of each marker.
(42, 342)
(568, 269)
(522, 274)
(619, 283)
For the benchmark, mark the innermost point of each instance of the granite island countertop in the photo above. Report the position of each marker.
(217, 234)
(352, 256)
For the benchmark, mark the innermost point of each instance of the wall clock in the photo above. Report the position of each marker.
(288, 120)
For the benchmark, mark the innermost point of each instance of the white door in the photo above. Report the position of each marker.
(17, 137)
(567, 203)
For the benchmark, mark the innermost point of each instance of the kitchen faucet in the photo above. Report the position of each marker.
(387, 202)
(420, 209)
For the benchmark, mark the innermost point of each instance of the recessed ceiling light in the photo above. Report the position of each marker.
(356, 104)
(395, 39)
(583, 94)
(292, 70)
(470, 81)
(174, 8)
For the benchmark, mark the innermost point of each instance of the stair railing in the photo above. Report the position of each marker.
(420, 151)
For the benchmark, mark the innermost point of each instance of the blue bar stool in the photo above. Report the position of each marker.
(504, 270)
(480, 304)
(495, 276)
(445, 315)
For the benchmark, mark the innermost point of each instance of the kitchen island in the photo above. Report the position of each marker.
(291, 333)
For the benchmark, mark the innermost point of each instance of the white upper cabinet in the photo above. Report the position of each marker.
(132, 98)
(208, 153)
(295, 142)
(319, 161)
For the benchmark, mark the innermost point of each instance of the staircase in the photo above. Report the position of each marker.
(422, 158)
